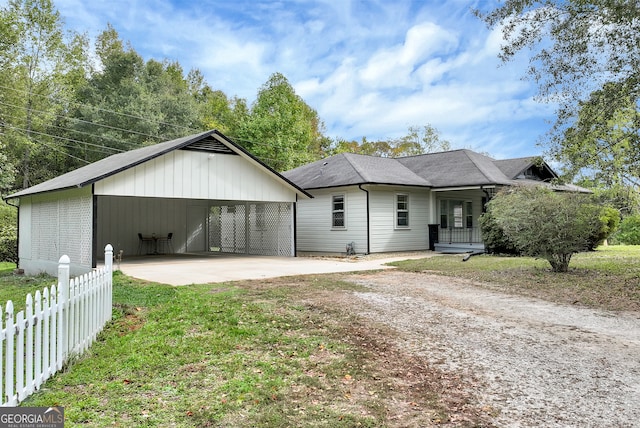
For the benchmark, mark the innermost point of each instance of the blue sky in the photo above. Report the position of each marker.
(370, 68)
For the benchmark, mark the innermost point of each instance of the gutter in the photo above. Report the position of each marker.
(368, 221)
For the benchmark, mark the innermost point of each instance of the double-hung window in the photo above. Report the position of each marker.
(338, 212)
(402, 210)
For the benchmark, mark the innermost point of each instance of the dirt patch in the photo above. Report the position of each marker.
(525, 361)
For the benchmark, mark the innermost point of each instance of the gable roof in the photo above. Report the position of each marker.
(513, 168)
(346, 169)
(451, 169)
(211, 141)
(456, 168)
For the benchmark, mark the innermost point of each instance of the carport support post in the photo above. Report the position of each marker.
(63, 309)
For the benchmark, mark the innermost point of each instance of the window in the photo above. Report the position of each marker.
(402, 210)
(456, 214)
(337, 211)
(469, 214)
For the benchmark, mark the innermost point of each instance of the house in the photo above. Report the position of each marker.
(200, 193)
(433, 201)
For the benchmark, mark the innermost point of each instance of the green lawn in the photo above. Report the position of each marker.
(6, 267)
(214, 355)
(608, 278)
(270, 354)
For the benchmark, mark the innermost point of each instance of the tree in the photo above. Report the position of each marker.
(629, 232)
(604, 141)
(586, 57)
(547, 224)
(128, 103)
(8, 233)
(280, 128)
(419, 140)
(38, 67)
(7, 173)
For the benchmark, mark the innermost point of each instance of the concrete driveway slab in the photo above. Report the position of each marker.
(184, 269)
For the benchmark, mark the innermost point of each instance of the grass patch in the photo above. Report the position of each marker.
(247, 354)
(281, 352)
(16, 287)
(6, 267)
(608, 278)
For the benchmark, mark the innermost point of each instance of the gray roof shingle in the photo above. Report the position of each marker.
(346, 169)
(445, 169)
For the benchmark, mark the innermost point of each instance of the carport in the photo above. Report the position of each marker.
(203, 191)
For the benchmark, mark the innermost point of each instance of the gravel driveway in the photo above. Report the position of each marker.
(536, 363)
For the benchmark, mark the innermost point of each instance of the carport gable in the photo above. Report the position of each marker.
(211, 141)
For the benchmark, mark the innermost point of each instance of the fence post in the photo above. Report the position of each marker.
(63, 312)
(108, 258)
(108, 263)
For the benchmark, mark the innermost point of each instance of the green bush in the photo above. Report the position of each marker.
(609, 222)
(495, 241)
(8, 233)
(629, 231)
(550, 225)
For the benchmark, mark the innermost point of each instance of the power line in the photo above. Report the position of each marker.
(51, 98)
(104, 149)
(114, 128)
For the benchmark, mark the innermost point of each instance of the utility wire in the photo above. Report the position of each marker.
(76, 103)
(114, 128)
(104, 149)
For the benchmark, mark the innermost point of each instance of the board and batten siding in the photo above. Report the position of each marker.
(197, 175)
(385, 236)
(314, 231)
(120, 219)
(54, 224)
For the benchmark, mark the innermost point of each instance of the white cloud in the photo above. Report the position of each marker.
(369, 68)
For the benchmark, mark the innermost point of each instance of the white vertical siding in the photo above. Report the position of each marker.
(198, 175)
(314, 231)
(385, 236)
(120, 219)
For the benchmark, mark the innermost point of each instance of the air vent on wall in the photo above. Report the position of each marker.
(210, 145)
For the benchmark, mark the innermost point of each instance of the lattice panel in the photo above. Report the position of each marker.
(44, 235)
(63, 227)
(258, 229)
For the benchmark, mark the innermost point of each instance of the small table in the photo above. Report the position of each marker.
(146, 240)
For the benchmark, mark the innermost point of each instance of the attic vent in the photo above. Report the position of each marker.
(210, 145)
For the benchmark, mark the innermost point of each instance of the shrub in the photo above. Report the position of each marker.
(8, 233)
(494, 238)
(629, 231)
(550, 225)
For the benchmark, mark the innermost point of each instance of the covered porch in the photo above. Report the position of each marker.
(458, 227)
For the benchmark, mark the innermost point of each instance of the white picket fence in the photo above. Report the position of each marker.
(56, 324)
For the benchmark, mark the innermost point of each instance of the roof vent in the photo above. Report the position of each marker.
(211, 145)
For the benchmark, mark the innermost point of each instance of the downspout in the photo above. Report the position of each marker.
(295, 227)
(94, 227)
(488, 198)
(368, 223)
(17, 232)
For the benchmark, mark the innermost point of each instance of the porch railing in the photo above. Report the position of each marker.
(460, 235)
